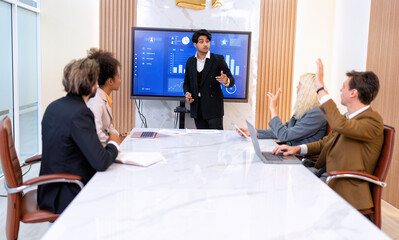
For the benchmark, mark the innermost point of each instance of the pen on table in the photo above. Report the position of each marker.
(106, 131)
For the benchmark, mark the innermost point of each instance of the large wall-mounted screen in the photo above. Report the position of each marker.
(159, 58)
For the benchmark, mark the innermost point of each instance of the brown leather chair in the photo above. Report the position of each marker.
(328, 130)
(22, 206)
(377, 179)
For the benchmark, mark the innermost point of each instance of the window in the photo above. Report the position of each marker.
(6, 89)
(19, 68)
(32, 3)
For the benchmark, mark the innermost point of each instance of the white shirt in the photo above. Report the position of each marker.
(114, 143)
(350, 116)
(324, 99)
(102, 115)
(201, 63)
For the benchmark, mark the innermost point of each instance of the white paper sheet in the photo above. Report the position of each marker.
(142, 159)
(203, 131)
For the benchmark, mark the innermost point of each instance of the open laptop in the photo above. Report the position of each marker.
(268, 157)
(147, 134)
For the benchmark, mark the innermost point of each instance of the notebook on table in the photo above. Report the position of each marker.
(268, 157)
(147, 134)
(142, 159)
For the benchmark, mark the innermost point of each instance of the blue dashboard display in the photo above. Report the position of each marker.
(159, 58)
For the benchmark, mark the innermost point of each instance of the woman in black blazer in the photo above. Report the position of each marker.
(70, 141)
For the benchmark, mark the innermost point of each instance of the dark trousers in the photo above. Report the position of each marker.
(213, 123)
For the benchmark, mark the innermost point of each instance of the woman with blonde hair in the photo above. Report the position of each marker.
(307, 123)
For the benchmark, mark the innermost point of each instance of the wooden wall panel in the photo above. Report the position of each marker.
(276, 57)
(116, 19)
(383, 59)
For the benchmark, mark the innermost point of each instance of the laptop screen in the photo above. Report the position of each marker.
(254, 139)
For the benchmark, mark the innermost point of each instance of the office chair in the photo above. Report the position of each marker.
(310, 161)
(378, 177)
(328, 130)
(22, 206)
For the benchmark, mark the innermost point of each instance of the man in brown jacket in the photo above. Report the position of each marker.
(356, 138)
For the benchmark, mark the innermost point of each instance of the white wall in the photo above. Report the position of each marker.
(68, 29)
(314, 38)
(337, 32)
(349, 51)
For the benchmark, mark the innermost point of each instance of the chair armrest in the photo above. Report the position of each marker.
(45, 179)
(334, 173)
(308, 161)
(355, 174)
(32, 160)
(51, 177)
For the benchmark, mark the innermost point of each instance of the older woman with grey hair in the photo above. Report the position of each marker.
(306, 125)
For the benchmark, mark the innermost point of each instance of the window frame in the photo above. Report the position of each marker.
(15, 4)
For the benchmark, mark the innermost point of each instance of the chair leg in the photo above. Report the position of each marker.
(13, 216)
(369, 216)
(377, 206)
(377, 213)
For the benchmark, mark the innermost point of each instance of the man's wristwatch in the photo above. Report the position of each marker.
(320, 89)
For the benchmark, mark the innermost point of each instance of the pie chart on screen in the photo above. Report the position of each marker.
(185, 40)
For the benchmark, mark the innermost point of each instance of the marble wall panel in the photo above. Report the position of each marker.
(235, 15)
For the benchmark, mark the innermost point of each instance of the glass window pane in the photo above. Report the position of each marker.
(28, 83)
(6, 89)
(32, 3)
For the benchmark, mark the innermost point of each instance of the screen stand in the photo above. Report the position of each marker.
(182, 110)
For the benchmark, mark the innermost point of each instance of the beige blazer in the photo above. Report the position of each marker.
(102, 114)
(353, 144)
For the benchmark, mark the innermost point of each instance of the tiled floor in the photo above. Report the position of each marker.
(390, 216)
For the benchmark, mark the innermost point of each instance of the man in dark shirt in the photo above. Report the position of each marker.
(204, 73)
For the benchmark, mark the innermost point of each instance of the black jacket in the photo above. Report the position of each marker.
(211, 92)
(70, 145)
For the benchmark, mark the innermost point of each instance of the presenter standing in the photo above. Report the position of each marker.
(204, 73)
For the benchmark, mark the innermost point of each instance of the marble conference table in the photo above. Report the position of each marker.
(210, 186)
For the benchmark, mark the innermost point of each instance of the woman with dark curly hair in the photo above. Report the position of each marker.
(100, 104)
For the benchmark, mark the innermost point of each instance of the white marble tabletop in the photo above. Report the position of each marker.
(211, 186)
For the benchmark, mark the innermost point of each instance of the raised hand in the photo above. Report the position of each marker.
(222, 78)
(273, 102)
(318, 81)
